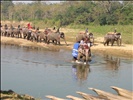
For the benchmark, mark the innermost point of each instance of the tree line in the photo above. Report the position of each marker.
(70, 12)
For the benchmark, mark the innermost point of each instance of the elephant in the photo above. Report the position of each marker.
(112, 38)
(7, 31)
(82, 36)
(55, 36)
(42, 36)
(34, 36)
(26, 33)
(84, 55)
(4, 30)
(16, 32)
(1, 31)
(91, 37)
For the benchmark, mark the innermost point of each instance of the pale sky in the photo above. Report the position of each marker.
(32, 1)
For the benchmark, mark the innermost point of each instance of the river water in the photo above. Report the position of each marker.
(40, 73)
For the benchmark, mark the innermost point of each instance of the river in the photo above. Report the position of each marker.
(40, 73)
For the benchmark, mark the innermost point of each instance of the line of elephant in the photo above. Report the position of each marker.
(34, 34)
(50, 35)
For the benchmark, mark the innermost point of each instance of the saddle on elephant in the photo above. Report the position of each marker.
(81, 32)
(110, 33)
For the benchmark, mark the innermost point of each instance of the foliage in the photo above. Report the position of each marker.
(70, 12)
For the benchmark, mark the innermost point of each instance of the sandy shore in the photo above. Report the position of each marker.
(123, 51)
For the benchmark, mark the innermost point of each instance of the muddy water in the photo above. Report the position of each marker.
(40, 73)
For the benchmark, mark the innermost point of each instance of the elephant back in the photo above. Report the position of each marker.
(53, 35)
(80, 37)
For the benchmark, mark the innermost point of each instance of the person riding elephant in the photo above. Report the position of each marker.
(55, 37)
(81, 36)
(29, 26)
(26, 33)
(112, 38)
(81, 51)
(84, 52)
(17, 32)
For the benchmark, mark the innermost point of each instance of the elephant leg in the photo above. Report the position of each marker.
(20, 35)
(87, 55)
(79, 56)
(59, 42)
(120, 41)
(112, 42)
(117, 42)
(108, 43)
(45, 39)
(48, 41)
(84, 58)
(24, 36)
(53, 41)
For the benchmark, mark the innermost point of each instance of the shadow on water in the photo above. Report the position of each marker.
(80, 71)
(112, 63)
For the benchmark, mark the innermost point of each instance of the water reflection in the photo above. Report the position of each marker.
(112, 63)
(80, 71)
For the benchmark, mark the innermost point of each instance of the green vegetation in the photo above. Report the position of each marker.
(70, 12)
(99, 16)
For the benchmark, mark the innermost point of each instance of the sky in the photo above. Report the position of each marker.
(32, 1)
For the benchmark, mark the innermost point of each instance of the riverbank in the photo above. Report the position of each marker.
(11, 95)
(123, 51)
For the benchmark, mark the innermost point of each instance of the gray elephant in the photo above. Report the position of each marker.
(42, 36)
(17, 32)
(9, 32)
(112, 38)
(91, 37)
(55, 36)
(5, 29)
(26, 33)
(2, 31)
(34, 36)
(82, 36)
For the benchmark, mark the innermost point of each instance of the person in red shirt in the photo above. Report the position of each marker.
(29, 26)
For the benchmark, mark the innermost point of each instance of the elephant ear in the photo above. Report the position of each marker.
(118, 33)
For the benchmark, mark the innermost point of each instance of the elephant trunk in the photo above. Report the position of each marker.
(120, 41)
(65, 41)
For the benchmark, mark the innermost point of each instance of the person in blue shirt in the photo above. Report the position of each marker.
(75, 50)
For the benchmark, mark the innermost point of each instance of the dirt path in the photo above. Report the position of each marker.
(122, 51)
